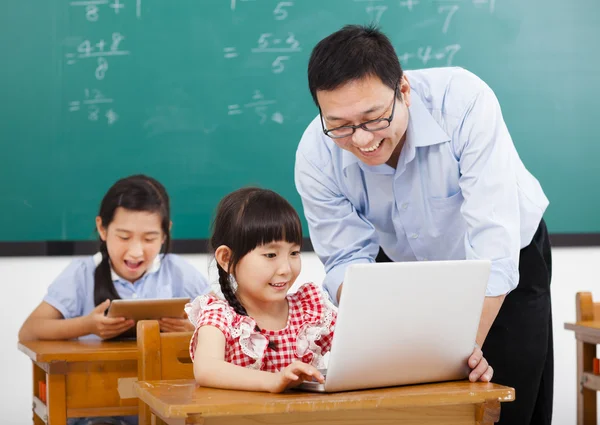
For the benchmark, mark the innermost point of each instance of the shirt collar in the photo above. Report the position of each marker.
(422, 130)
(153, 268)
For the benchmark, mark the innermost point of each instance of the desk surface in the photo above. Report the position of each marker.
(180, 398)
(586, 331)
(75, 350)
(583, 325)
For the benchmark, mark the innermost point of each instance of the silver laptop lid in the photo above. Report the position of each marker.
(406, 323)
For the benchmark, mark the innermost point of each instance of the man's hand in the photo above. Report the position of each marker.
(480, 369)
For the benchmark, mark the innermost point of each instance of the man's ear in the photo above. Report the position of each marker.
(405, 90)
(223, 256)
(100, 228)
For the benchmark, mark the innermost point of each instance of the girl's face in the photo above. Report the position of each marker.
(267, 272)
(133, 240)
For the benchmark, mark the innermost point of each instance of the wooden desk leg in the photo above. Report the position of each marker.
(38, 375)
(586, 398)
(57, 399)
(487, 413)
(144, 414)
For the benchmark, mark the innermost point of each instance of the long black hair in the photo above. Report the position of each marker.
(134, 193)
(248, 218)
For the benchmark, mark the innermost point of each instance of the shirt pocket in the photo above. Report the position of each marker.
(446, 220)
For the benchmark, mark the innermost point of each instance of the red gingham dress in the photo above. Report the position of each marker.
(306, 337)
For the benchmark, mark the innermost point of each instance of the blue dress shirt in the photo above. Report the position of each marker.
(460, 190)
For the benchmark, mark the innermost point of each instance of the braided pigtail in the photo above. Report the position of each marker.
(234, 302)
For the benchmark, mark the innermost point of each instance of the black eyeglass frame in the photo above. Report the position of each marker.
(352, 128)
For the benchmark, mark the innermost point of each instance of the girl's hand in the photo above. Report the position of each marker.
(481, 370)
(294, 375)
(172, 324)
(107, 327)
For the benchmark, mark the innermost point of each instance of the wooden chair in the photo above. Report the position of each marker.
(161, 356)
(586, 311)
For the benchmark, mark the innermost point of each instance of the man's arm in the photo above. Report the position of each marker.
(491, 307)
(488, 181)
(339, 234)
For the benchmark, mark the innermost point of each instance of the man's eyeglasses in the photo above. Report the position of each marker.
(371, 125)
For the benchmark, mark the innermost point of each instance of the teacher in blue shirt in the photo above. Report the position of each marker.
(417, 166)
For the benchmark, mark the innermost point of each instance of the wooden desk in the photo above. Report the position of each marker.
(81, 378)
(179, 402)
(587, 334)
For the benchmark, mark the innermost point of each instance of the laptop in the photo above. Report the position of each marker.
(405, 323)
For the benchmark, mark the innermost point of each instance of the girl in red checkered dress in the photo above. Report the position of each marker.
(258, 337)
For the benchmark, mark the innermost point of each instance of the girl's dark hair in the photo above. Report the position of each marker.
(350, 54)
(134, 193)
(248, 218)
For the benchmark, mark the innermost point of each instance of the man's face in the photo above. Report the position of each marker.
(362, 100)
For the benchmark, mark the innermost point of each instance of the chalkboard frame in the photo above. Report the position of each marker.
(200, 246)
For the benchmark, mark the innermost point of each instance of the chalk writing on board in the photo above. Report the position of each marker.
(427, 55)
(101, 68)
(409, 4)
(446, 8)
(261, 107)
(281, 10)
(267, 43)
(92, 7)
(234, 3)
(95, 104)
(230, 52)
(449, 11)
(376, 12)
(278, 64)
(491, 4)
(284, 45)
(100, 50)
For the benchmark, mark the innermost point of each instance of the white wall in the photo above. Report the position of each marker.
(24, 282)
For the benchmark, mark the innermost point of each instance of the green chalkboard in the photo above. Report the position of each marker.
(210, 95)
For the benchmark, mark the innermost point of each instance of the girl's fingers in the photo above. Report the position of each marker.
(169, 328)
(309, 370)
(125, 325)
(108, 321)
(117, 331)
(173, 325)
(117, 328)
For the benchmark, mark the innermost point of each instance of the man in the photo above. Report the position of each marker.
(420, 166)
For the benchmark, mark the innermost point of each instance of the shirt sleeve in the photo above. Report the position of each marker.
(489, 186)
(339, 233)
(194, 282)
(66, 293)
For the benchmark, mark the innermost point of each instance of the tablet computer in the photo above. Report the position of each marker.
(148, 309)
